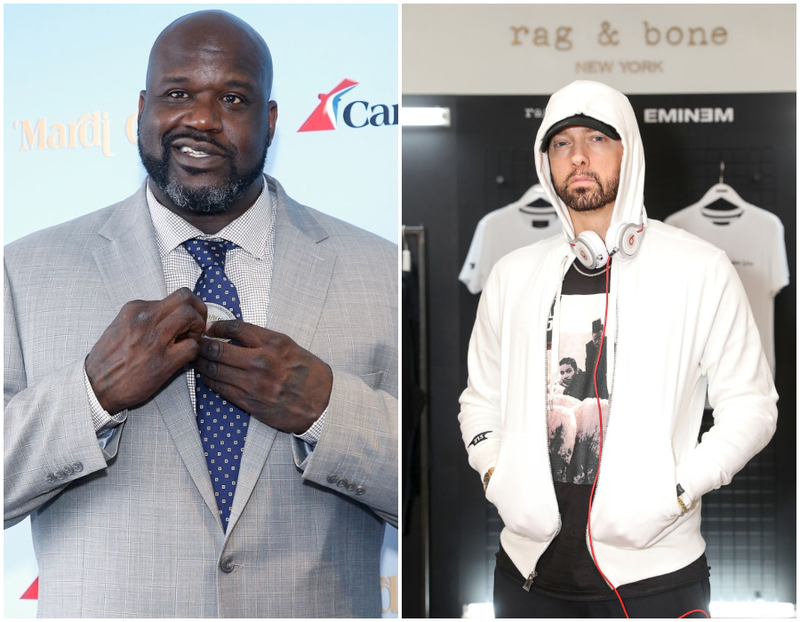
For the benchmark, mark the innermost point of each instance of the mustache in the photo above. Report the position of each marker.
(166, 141)
(590, 174)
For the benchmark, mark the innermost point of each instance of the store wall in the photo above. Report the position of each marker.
(453, 176)
(72, 79)
(523, 49)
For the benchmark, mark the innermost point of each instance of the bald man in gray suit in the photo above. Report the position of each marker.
(111, 350)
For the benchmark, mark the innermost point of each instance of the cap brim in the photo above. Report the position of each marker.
(579, 120)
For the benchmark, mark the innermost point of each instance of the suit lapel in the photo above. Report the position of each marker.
(131, 242)
(302, 271)
(301, 275)
(129, 262)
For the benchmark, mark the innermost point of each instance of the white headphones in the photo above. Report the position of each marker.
(623, 240)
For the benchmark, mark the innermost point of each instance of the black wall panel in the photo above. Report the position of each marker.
(454, 176)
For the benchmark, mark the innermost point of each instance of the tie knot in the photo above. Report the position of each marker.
(209, 253)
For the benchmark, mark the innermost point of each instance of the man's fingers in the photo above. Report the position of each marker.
(182, 352)
(231, 355)
(183, 296)
(246, 334)
(160, 309)
(220, 372)
(224, 329)
(184, 321)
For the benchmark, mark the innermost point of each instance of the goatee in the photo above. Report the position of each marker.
(211, 199)
(585, 199)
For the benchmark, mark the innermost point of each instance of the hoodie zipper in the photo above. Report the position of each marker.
(608, 420)
(547, 407)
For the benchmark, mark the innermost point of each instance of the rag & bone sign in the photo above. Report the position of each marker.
(646, 36)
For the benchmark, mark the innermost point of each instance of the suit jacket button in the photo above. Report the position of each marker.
(50, 478)
(77, 467)
(59, 474)
(360, 491)
(67, 469)
(351, 487)
(333, 478)
(227, 564)
(342, 483)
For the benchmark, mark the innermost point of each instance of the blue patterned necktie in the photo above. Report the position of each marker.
(222, 426)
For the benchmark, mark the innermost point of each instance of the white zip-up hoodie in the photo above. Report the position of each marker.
(678, 323)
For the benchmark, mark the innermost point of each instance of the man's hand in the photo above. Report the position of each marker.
(265, 374)
(143, 347)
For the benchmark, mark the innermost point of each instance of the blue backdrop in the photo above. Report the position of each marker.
(72, 78)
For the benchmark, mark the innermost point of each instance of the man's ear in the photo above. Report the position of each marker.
(273, 119)
(142, 95)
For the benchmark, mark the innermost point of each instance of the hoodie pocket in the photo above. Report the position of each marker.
(636, 503)
(526, 502)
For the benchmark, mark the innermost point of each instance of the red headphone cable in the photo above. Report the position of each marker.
(600, 452)
(600, 456)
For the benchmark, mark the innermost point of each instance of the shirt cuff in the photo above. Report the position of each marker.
(101, 419)
(311, 436)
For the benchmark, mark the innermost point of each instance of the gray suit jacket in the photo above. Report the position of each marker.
(133, 530)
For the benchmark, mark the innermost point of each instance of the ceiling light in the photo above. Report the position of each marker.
(433, 116)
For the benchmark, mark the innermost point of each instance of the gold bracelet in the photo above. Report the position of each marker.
(487, 477)
(683, 506)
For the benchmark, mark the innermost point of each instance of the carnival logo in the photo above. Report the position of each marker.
(356, 114)
(326, 113)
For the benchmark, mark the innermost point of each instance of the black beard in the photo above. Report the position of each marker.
(585, 199)
(210, 199)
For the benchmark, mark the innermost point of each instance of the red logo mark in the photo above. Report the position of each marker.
(32, 593)
(326, 113)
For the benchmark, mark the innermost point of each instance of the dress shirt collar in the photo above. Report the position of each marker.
(247, 231)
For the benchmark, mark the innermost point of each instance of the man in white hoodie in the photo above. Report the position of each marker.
(630, 544)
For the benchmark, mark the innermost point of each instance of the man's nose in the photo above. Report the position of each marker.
(579, 157)
(203, 114)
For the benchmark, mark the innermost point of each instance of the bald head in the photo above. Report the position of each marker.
(208, 32)
(206, 119)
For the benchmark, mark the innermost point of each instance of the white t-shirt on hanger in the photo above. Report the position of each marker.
(753, 239)
(500, 232)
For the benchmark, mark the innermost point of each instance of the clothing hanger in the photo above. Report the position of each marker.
(534, 202)
(407, 262)
(721, 198)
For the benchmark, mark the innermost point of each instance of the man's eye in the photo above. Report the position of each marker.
(232, 99)
(177, 94)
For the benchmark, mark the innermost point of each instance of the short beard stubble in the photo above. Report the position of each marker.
(585, 199)
(206, 200)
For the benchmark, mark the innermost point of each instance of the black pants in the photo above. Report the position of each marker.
(511, 601)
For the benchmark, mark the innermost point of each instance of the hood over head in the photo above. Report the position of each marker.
(609, 107)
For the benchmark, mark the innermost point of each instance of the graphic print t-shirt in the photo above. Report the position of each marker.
(573, 422)
(574, 431)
